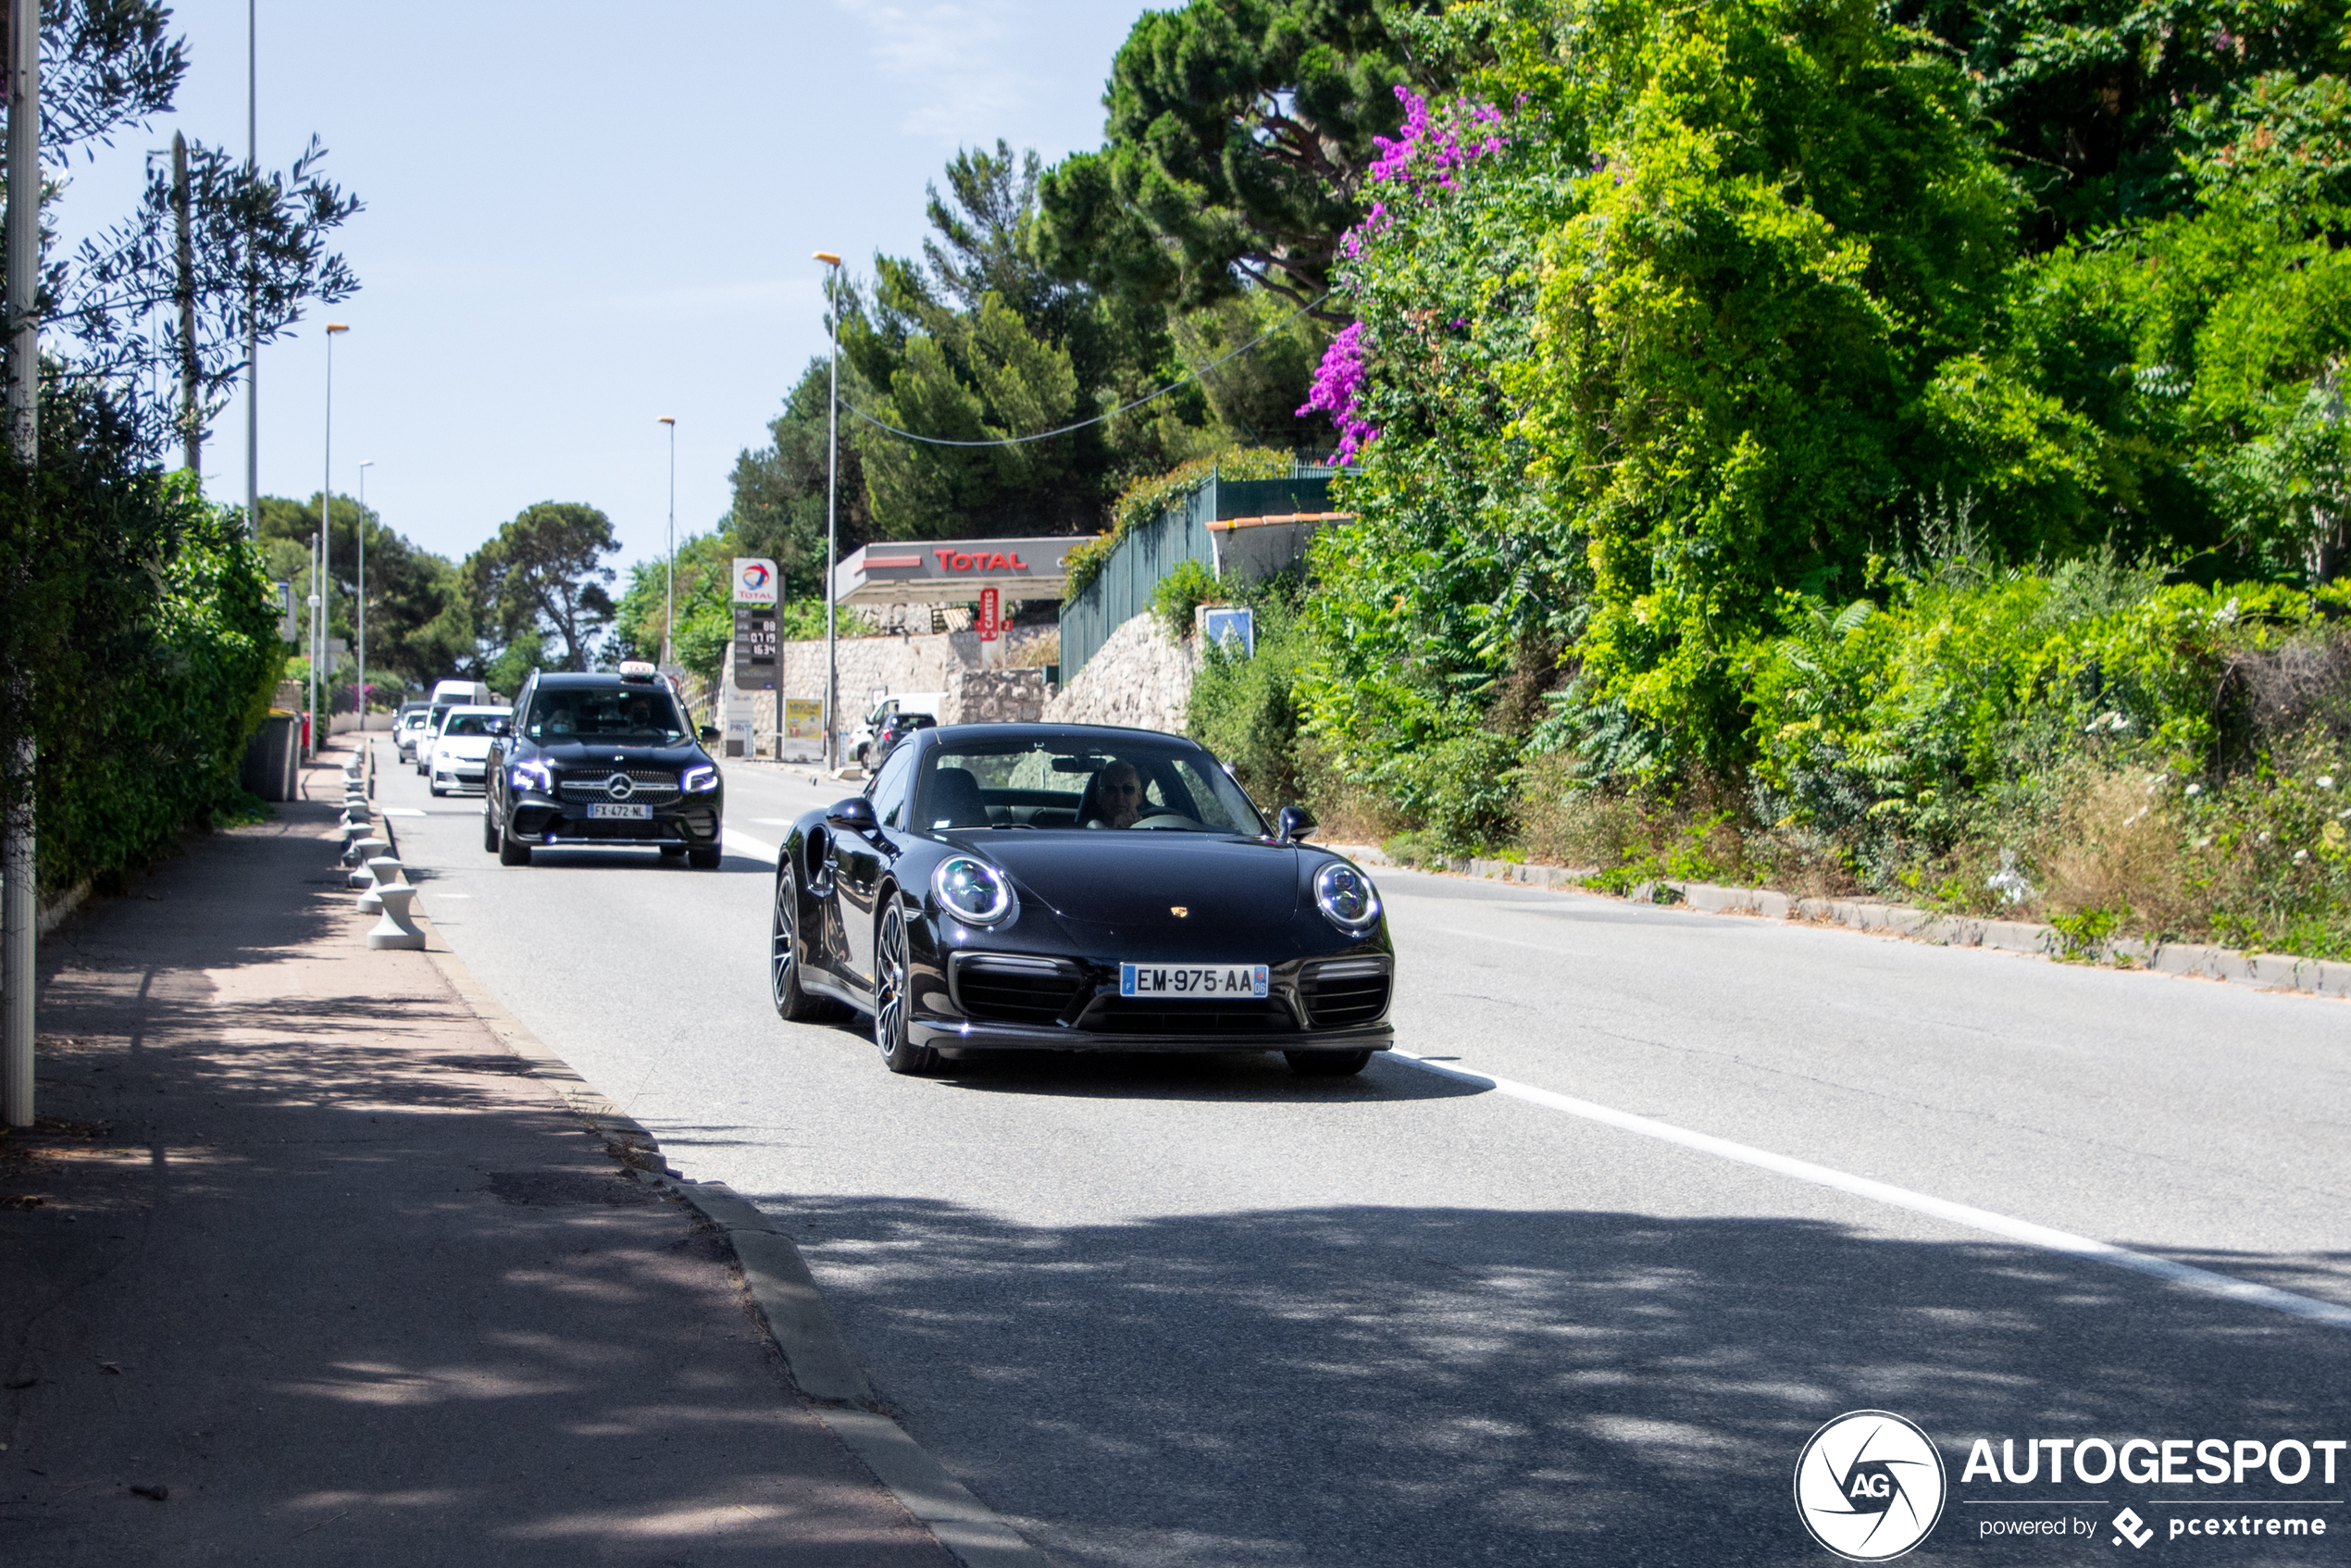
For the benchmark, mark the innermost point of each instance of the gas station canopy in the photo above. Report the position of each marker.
(952, 571)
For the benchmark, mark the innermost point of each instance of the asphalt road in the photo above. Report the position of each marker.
(1200, 1312)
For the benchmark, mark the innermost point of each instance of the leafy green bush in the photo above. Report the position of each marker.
(1244, 707)
(1179, 593)
(143, 626)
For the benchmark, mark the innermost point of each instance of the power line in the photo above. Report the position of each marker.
(1047, 435)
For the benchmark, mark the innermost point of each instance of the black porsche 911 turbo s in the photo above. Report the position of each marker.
(1076, 887)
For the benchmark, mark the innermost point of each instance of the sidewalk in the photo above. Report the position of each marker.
(316, 1276)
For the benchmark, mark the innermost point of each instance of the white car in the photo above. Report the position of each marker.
(460, 748)
(408, 732)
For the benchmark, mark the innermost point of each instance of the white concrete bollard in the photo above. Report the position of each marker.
(386, 872)
(394, 930)
(364, 850)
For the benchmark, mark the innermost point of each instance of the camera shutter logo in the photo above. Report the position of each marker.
(1870, 1485)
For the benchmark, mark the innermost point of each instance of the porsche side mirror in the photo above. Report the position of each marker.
(856, 814)
(708, 732)
(1295, 823)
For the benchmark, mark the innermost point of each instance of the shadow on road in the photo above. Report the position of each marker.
(1408, 1386)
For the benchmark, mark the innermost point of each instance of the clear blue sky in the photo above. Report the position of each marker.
(584, 216)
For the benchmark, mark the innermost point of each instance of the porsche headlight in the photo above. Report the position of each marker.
(971, 890)
(1347, 897)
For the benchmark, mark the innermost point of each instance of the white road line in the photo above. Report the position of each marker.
(399, 810)
(2204, 1280)
(743, 843)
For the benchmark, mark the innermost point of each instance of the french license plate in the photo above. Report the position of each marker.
(1190, 981)
(626, 813)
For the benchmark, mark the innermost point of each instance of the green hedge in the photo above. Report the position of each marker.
(141, 622)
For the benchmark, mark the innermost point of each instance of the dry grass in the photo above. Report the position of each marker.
(1036, 652)
(2120, 844)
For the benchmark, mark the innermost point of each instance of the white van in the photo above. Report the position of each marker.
(468, 694)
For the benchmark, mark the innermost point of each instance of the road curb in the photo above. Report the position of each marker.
(791, 1304)
(2258, 971)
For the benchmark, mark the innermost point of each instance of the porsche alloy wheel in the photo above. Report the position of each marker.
(893, 997)
(783, 961)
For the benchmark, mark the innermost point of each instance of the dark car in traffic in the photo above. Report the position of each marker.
(605, 761)
(894, 728)
(1076, 888)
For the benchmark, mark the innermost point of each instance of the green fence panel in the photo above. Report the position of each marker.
(1123, 588)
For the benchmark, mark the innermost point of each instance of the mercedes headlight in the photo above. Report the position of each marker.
(532, 775)
(1347, 897)
(971, 890)
(701, 781)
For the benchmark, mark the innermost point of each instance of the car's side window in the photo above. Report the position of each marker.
(888, 793)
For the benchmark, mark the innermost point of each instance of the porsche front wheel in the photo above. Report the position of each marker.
(893, 995)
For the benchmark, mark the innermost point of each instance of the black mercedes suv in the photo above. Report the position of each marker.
(605, 760)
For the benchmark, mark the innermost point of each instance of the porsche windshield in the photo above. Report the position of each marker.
(640, 715)
(1131, 785)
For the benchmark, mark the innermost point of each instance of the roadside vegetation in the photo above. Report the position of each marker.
(139, 643)
(1875, 451)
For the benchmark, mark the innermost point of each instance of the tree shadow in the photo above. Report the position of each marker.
(1369, 1385)
(316, 1267)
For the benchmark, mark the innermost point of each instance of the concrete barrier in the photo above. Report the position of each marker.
(386, 872)
(363, 851)
(394, 930)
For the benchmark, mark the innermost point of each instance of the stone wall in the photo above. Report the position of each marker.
(901, 663)
(1136, 677)
(993, 696)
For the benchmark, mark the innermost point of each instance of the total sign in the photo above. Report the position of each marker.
(755, 580)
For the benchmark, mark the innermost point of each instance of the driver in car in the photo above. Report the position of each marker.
(1119, 789)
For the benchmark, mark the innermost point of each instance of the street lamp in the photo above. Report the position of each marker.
(832, 472)
(326, 548)
(363, 601)
(669, 592)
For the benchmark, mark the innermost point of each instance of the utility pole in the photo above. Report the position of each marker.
(321, 724)
(318, 643)
(183, 291)
(18, 909)
(832, 482)
(669, 607)
(363, 602)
